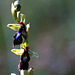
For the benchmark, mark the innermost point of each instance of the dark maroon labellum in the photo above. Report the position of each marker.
(23, 66)
(18, 39)
(25, 58)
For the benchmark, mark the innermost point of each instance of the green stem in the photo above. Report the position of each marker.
(22, 72)
(30, 71)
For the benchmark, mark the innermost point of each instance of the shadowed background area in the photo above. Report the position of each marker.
(52, 36)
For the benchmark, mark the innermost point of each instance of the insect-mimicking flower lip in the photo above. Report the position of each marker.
(23, 66)
(25, 58)
(17, 38)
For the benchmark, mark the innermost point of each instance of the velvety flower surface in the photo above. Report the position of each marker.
(23, 66)
(17, 38)
(25, 58)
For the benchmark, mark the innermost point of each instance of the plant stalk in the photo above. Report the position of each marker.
(22, 72)
(30, 71)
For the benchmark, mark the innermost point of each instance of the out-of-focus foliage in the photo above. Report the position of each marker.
(52, 35)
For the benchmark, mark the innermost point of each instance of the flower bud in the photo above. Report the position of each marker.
(17, 5)
(14, 12)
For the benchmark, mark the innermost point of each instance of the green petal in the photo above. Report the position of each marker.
(27, 27)
(23, 18)
(34, 54)
(18, 15)
(25, 44)
(14, 26)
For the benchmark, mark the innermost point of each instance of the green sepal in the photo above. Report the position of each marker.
(14, 26)
(23, 18)
(34, 54)
(17, 51)
(27, 29)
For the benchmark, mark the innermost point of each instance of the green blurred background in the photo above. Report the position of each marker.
(52, 36)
